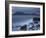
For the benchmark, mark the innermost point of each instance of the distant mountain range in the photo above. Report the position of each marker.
(22, 13)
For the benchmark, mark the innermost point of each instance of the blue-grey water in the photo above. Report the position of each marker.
(20, 20)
